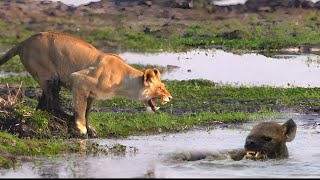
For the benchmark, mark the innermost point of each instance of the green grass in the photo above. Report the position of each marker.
(195, 102)
(32, 147)
(122, 125)
(27, 81)
(13, 65)
(207, 91)
(27, 147)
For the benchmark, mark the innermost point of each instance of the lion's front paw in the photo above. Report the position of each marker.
(81, 128)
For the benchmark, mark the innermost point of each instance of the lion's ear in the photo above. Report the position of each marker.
(148, 75)
(157, 73)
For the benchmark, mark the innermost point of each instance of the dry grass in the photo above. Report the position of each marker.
(10, 99)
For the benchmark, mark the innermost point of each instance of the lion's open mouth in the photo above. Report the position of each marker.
(152, 104)
(153, 101)
(255, 155)
(164, 101)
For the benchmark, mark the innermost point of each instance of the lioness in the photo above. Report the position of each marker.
(52, 57)
(113, 77)
(267, 140)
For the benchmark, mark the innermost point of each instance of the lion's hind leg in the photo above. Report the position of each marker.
(50, 99)
(55, 87)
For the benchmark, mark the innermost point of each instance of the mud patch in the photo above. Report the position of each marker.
(16, 121)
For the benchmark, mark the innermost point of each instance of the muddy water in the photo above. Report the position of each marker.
(153, 154)
(228, 68)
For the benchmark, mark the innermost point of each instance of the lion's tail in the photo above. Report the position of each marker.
(10, 54)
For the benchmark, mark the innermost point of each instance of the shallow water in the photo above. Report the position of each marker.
(4, 74)
(249, 69)
(154, 154)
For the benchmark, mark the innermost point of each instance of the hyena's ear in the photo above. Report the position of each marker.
(157, 73)
(148, 76)
(290, 129)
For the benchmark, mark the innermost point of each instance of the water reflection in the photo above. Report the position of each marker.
(153, 156)
(249, 69)
(5, 74)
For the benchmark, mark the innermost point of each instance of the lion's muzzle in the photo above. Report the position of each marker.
(165, 100)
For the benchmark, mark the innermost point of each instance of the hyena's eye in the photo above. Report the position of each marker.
(267, 138)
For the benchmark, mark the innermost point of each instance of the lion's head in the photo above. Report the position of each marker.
(154, 90)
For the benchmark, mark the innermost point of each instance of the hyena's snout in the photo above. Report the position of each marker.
(249, 144)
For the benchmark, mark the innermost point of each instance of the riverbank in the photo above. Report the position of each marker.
(197, 103)
(174, 26)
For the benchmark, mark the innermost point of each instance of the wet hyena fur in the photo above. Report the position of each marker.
(267, 140)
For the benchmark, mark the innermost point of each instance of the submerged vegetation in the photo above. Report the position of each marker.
(13, 149)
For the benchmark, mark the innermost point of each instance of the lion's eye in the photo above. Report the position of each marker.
(159, 88)
(267, 138)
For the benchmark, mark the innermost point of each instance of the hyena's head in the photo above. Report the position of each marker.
(268, 140)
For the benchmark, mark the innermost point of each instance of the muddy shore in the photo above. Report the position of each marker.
(117, 25)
